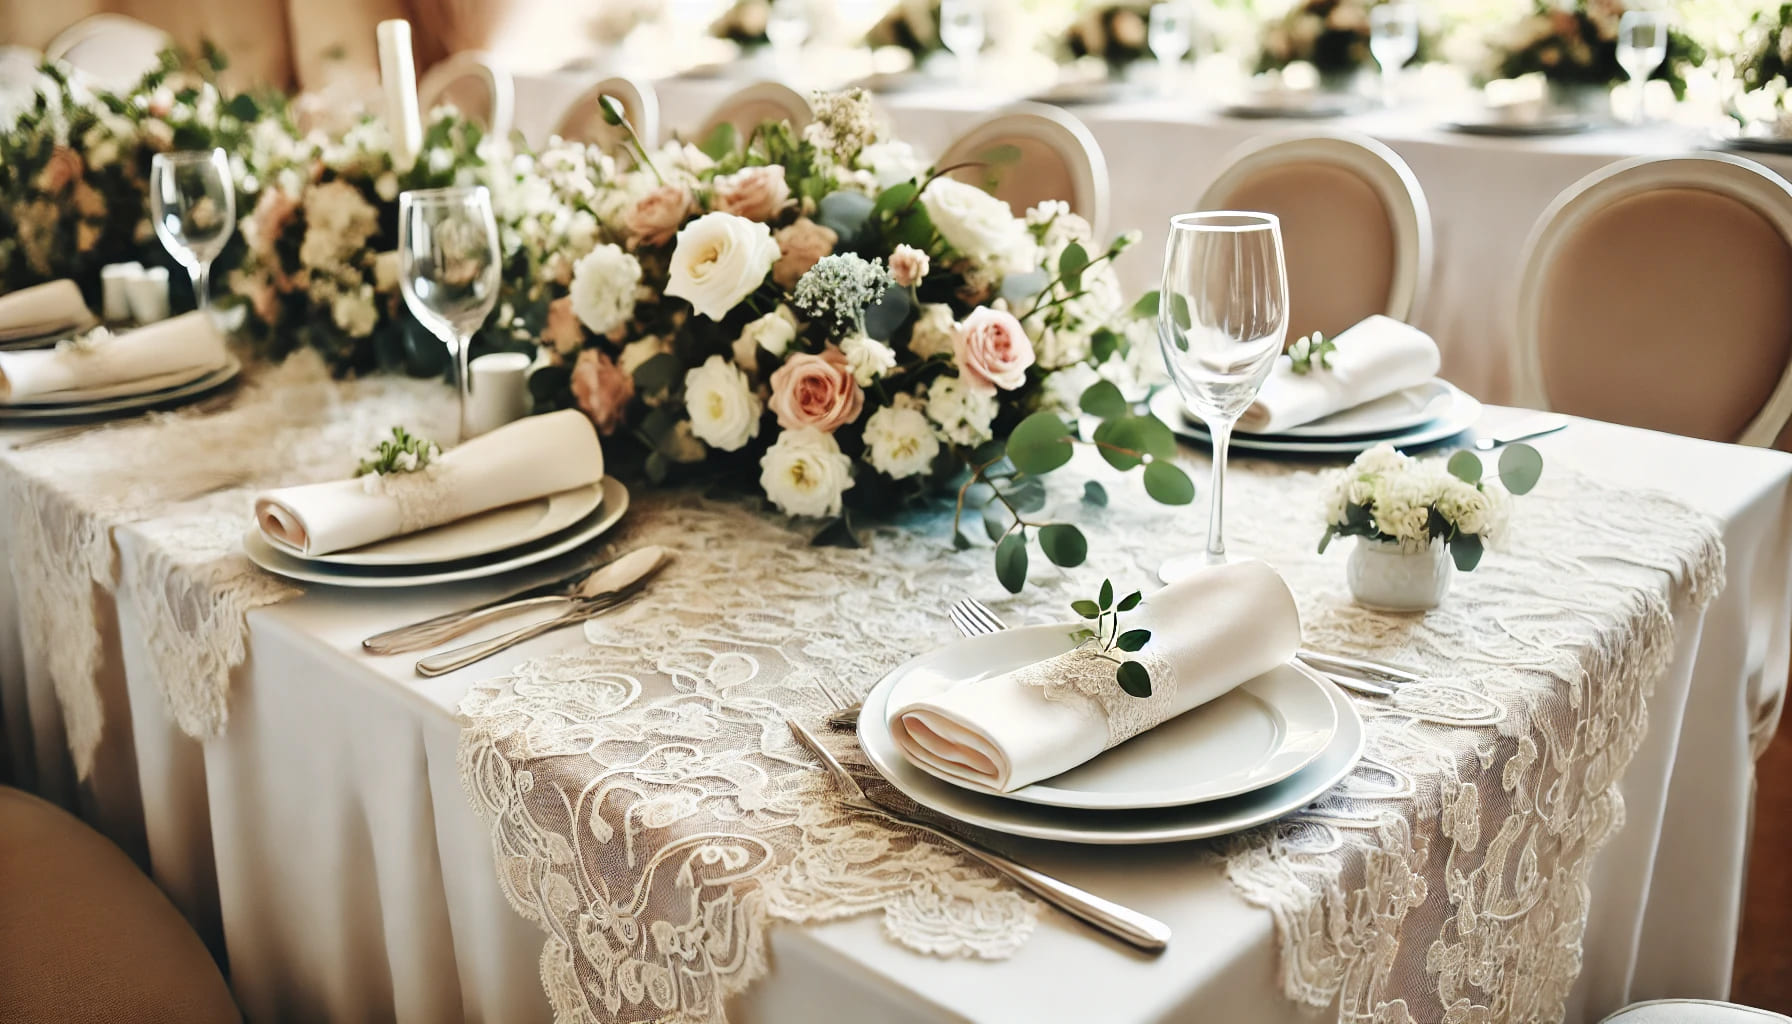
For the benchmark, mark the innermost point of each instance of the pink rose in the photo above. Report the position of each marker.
(62, 169)
(802, 244)
(656, 217)
(273, 212)
(816, 391)
(992, 350)
(563, 330)
(756, 193)
(908, 265)
(602, 389)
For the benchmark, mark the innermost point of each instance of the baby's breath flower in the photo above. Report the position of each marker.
(839, 287)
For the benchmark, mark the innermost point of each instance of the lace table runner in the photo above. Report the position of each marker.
(187, 481)
(651, 814)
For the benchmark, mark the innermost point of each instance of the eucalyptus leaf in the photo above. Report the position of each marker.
(914, 229)
(1106, 597)
(1466, 549)
(1326, 541)
(1011, 562)
(720, 141)
(1168, 484)
(1134, 678)
(1085, 608)
(1064, 544)
(1129, 602)
(896, 197)
(1103, 344)
(1071, 264)
(1133, 639)
(1146, 306)
(1095, 494)
(845, 213)
(1027, 494)
(1103, 399)
(657, 467)
(1520, 468)
(885, 316)
(657, 374)
(1023, 286)
(995, 520)
(1038, 445)
(1466, 467)
(959, 541)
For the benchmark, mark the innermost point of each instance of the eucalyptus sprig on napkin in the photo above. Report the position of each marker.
(1106, 638)
(403, 452)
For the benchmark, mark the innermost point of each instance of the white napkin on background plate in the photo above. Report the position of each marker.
(44, 309)
(168, 353)
(1212, 632)
(1377, 357)
(521, 461)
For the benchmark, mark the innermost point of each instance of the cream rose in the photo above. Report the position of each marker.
(756, 193)
(805, 473)
(724, 410)
(773, 332)
(655, 217)
(816, 391)
(979, 225)
(720, 259)
(802, 245)
(992, 350)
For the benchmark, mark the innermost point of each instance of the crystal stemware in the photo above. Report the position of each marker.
(1393, 40)
(1170, 37)
(1642, 46)
(962, 31)
(1222, 318)
(192, 203)
(787, 29)
(448, 269)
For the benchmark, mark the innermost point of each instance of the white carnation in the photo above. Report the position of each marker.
(961, 413)
(723, 408)
(868, 358)
(899, 441)
(934, 331)
(604, 284)
(805, 474)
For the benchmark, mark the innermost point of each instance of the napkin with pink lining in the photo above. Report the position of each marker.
(44, 309)
(162, 355)
(521, 461)
(1210, 633)
(1377, 357)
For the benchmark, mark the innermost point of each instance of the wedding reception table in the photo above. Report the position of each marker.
(1485, 193)
(323, 837)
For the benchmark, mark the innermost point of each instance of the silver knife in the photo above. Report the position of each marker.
(1523, 430)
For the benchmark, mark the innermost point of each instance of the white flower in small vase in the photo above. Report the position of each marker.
(724, 411)
(719, 260)
(804, 473)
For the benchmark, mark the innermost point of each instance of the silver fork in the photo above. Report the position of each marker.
(971, 617)
(1123, 923)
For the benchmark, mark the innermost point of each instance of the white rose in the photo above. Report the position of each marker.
(899, 441)
(891, 162)
(961, 413)
(724, 410)
(773, 332)
(637, 352)
(604, 283)
(805, 474)
(934, 332)
(868, 358)
(719, 260)
(979, 225)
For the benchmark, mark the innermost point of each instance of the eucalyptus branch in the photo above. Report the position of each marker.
(1058, 279)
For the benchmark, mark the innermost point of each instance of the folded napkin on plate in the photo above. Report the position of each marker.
(1209, 633)
(54, 306)
(185, 347)
(1377, 357)
(521, 461)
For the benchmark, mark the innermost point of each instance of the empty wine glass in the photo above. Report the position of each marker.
(192, 203)
(786, 29)
(1393, 40)
(448, 269)
(962, 31)
(1221, 318)
(1170, 37)
(1642, 46)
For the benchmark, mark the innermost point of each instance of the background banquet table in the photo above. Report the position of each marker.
(324, 840)
(1485, 193)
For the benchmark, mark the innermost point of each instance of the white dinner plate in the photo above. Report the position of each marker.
(1318, 106)
(1547, 124)
(1256, 735)
(606, 515)
(499, 529)
(1163, 825)
(126, 403)
(43, 334)
(123, 389)
(1404, 410)
(1088, 92)
(1753, 138)
(1167, 405)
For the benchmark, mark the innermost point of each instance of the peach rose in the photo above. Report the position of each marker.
(273, 212)
(656, 217)
(62, 169)
(816, 391)
(563, 330)
(602, 389)
(756, 193)
(802, 244)
(992, 351)
(908, 265)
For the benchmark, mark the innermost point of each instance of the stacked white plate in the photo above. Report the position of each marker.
(1421, 415)
(150, 392)
(488, 544)
(1266, 749)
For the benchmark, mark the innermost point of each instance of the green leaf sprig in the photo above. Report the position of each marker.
(1106, 637)
(403, 452)
(616, 117)
(1313, 352)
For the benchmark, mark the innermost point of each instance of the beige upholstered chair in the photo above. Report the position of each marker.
(476, 85)
(113, 50)
(1058, 159)
(1355, 225)
(86, 937)
(584, 120)
(755, 105)
(1693, 1011)
(1658, 293)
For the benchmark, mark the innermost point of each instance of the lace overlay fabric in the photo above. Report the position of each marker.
(651, 814)
(1086, 680)
(186, 482)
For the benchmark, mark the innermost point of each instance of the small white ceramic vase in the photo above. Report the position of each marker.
(1387, 578)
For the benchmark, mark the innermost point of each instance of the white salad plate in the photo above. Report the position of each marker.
(608, 512)
(1258, 734)
(496, 530)
(125, 398)
(123, 389)
(1458, 414)
(1546, 124)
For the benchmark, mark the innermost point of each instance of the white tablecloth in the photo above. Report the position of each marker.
(326, 838)
(1485, 193)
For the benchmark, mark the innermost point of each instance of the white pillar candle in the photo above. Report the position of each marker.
(149, 295)
(115, 290)
(398, 76)
(500, 392)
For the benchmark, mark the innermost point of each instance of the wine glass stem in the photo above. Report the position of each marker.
(1390, 75)
(202, 285)
(1221, 431)
(463, 383)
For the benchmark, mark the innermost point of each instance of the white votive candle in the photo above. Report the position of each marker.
(500, 392)
(148, 293)
(115, 290)
(398, 79)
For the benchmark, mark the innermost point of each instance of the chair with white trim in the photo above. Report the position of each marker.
(1054, 157)
(755, 105)
(113, 50)
(584, 120)
(475, 84)
(1693, 1011)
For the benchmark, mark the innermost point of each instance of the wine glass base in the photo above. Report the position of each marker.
(1183, 566)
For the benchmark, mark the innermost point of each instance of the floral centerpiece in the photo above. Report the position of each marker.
(1331, 35)
(1576, 44)
(1762, 72)
(1118, 33)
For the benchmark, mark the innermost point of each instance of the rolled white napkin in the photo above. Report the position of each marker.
(1377, 357)
(1209, 633)
(520, 461)
(169, 353)
(40, 309)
